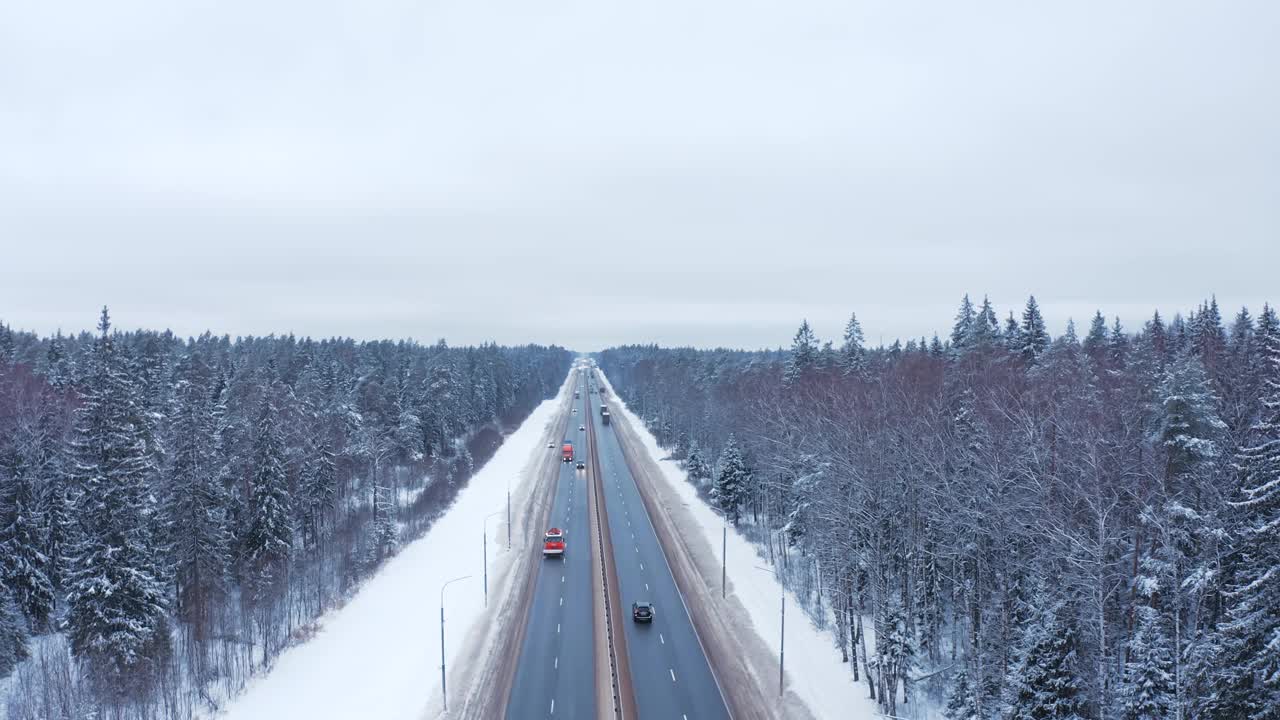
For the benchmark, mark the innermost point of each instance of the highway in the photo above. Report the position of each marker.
(669, 676)
(669, 670)
(556, 671)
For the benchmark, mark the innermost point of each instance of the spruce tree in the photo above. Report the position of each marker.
(852, 353)
(1253, 626)
(696, 467)
(804, 354)
(1047, 684)
(268, 542)
(731, 484)
(319, 487)
(13, 633)
(117, 604)
(962, 703)
(1034, 337)
(1147, 691)
(1095, 341)
(196, 502)
(23, 562)
(963, 326)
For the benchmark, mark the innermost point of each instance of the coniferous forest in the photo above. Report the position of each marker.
(174, 512)
(1031, 527)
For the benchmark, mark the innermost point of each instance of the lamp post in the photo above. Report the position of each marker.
(782, 631)
(444, 693)
(486, 555)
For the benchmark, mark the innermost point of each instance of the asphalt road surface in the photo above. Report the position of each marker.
(555, 676)
(669, 669)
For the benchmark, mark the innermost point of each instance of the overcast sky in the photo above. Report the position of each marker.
(593, 172)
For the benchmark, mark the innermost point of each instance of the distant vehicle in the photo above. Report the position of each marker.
(642, 611)
(566, 452)
(604, 408)
(577, 394)
(553, 542)
(575, 411)
(551, 444)
(582, 465)
(582, 428)
(604, 417)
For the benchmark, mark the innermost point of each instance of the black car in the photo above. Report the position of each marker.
(582, 465)
(642, 611)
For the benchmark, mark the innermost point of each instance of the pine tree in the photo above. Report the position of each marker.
(731, 485)
(116, 601)
(1034, 339)
(1147, 692)
(268, 542)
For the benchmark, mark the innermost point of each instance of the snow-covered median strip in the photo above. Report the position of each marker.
(814, 670)
(379, 656)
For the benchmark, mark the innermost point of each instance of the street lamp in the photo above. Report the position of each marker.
(486, 555)
(444, 693)
(782, 632)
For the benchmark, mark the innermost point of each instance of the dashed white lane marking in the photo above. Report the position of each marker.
(557, 627)
(662, 639)
(673, 674)
(562, 600)
(557, 662)
(637, 548)
(561, 578)
(646, 587)
(642, 566)
(553, 706)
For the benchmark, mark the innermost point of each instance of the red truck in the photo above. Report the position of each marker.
(566, 452)
(553, 542)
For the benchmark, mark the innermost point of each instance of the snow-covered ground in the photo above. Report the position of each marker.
(814, 670)
(379, 655)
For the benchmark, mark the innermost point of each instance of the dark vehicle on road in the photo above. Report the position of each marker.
(582, 465)
(642, 611)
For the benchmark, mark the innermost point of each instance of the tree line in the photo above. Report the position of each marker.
(1013, 525)
(173, 513)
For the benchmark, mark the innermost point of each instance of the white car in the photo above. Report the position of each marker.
(551, 445)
